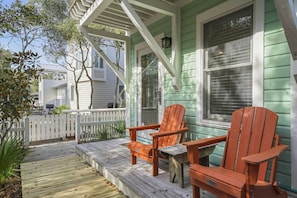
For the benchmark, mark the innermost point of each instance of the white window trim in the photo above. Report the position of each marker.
(258, 53)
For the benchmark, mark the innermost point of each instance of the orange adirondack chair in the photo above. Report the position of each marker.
(170, 132)
(251, 142)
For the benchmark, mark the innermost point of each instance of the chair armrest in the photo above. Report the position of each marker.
(155, 136)
(162, 134)
(253, 164)
(258, 158)
(139, 128)
(133, 130)
(205, 141)
(193, 146)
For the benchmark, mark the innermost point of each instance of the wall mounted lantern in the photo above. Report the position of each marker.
(166, 42)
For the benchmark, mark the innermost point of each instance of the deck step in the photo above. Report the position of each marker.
(66, 176)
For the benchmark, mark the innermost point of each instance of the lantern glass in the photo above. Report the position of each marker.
(166, 42)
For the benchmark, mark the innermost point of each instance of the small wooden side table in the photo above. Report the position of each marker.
(177, 155)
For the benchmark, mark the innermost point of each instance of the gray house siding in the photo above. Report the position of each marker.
(104, 91)
(84, 94)
(276, 85)
(103, 85)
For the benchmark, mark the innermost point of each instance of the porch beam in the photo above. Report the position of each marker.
(94, 11)
(287, 16)
(104, 34)
(156, 6)
(103, 55)
(118, 37)
(152, 43)
(81, 6)
(176, 48)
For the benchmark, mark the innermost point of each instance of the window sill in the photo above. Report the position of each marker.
(214, 124)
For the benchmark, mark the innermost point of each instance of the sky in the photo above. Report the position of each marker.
(8, 2)
(14, 45)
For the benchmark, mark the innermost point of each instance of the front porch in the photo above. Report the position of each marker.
(112, 159)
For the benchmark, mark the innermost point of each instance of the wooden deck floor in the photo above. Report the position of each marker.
(56, 171)
(112, 160)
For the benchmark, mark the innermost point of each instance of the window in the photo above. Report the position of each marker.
(99, 68)
(98, 62)
(227, 64)
(230, 65)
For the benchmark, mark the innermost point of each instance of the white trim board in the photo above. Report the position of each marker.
(293, 125)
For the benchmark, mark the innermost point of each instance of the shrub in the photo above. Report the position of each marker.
(11, 155)
(120, 128)
(103, 135)
(59, 109)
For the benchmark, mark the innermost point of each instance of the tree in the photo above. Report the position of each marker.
(5, 56)
(67, 46)
(15, 100)
(25, 23)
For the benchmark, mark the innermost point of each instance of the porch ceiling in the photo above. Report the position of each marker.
(131, 16)
(114, 16)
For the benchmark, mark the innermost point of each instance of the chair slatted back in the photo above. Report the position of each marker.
(252, 130)
(171, 121)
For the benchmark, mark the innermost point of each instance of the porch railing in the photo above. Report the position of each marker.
(100, 124)
(84, 126)
(20, 131)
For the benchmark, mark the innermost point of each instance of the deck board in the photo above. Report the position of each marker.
(112, 159)
(55, 170)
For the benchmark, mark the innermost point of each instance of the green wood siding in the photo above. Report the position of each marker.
(277, 84)
(276, 77)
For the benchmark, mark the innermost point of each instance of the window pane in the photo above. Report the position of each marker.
(233, 53)
(230, 89)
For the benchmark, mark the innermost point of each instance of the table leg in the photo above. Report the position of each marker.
(176, 170)
(180, 174)
(172, 168)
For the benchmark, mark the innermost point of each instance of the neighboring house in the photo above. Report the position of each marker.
(104, 80)
(52, 86)
(225, 54)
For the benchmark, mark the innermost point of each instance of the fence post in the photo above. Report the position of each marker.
(26, 133)
(77, 129)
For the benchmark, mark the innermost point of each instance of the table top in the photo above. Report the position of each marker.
(179, 149)
(174, 150)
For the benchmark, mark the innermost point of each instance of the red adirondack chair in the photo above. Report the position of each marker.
(170, 132)
(251, 142)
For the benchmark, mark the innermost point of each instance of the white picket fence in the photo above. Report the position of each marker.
(84, 126)
(48, 127)
(20, 131)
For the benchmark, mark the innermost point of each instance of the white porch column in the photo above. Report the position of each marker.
(294, 124)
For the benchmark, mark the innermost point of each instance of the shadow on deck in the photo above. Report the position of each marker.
(112, 159)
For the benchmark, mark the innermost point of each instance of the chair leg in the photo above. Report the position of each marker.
(195, 191)
(155, 167)
(133, 159)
